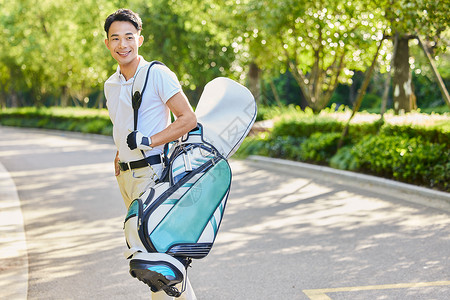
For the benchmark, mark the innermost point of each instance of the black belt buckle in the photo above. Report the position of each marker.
(123, 166)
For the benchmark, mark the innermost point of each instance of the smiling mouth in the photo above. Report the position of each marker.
(124, 53)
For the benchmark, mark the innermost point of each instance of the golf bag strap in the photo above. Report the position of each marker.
(139, 85)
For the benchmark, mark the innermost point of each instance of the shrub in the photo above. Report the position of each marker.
(412, 160)
(264, 113)
(305, 126)
(413, 148)
(252, 146)
(95, 126)
(431, 134)
(359, 130)
(285, 147)
(344, 159)
(282, 147)
(320, 147)
(439, 109)
(273, 112)
(71, 119)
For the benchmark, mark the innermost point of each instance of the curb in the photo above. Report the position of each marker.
(14, 256)
(355, 177)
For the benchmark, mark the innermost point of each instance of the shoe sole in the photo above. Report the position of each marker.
(155, 280)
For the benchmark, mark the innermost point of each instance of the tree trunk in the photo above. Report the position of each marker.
(438, 77)
(64, 96)
(275, 93)
(402, 77)
(2, 100)
(384, 100)
(14, 99)
(253, 77)
(387, 82)
(360, 96)
(100, 99)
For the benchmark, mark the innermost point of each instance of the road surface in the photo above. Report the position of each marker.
(287, 233)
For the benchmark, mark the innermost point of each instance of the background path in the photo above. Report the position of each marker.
(288, 233)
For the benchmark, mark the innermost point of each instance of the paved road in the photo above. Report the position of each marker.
(287, 233)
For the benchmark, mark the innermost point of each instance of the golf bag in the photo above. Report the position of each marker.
(177, 220)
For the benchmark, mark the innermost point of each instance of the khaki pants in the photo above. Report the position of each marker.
(134, 182)
(131, 184)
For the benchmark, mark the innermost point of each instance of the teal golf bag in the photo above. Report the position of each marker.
(177, 220)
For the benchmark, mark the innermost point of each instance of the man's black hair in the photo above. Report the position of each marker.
(123, 15)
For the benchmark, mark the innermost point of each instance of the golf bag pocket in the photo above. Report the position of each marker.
(190, 159)
(192, 213)
(133, 221)
(180, 219)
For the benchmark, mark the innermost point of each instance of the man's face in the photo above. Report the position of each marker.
(123, 42)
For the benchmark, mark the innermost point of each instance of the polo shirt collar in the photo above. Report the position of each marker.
(142, 63)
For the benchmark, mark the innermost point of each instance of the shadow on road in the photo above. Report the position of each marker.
(73, 216)
(283, 232)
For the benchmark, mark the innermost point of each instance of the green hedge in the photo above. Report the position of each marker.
(430, 134)
(412, 160)
(320, 147)
(412, 153)
(280, 147)
(71, 119)
(305, 126)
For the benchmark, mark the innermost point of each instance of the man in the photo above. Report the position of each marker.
(163, 94)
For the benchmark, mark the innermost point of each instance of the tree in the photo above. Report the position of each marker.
(407, 20)
(361, 93)
(320, 41)
(54, 48)
(187, 39)
(436, 73)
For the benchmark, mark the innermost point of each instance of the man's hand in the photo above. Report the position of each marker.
(116, 164)
(137, 140)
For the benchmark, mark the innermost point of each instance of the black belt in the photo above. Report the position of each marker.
(151, 160)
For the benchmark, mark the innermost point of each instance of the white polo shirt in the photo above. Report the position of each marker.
(153, 115)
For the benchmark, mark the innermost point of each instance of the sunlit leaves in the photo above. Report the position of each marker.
(54, 47)
(187, 38)
(318, 39)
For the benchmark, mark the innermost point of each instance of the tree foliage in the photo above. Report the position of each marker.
(321, 42)
(50, 47)
(186, 38)
(410, 20)
(54, 51)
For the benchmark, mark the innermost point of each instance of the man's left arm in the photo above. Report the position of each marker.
(185, 120)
